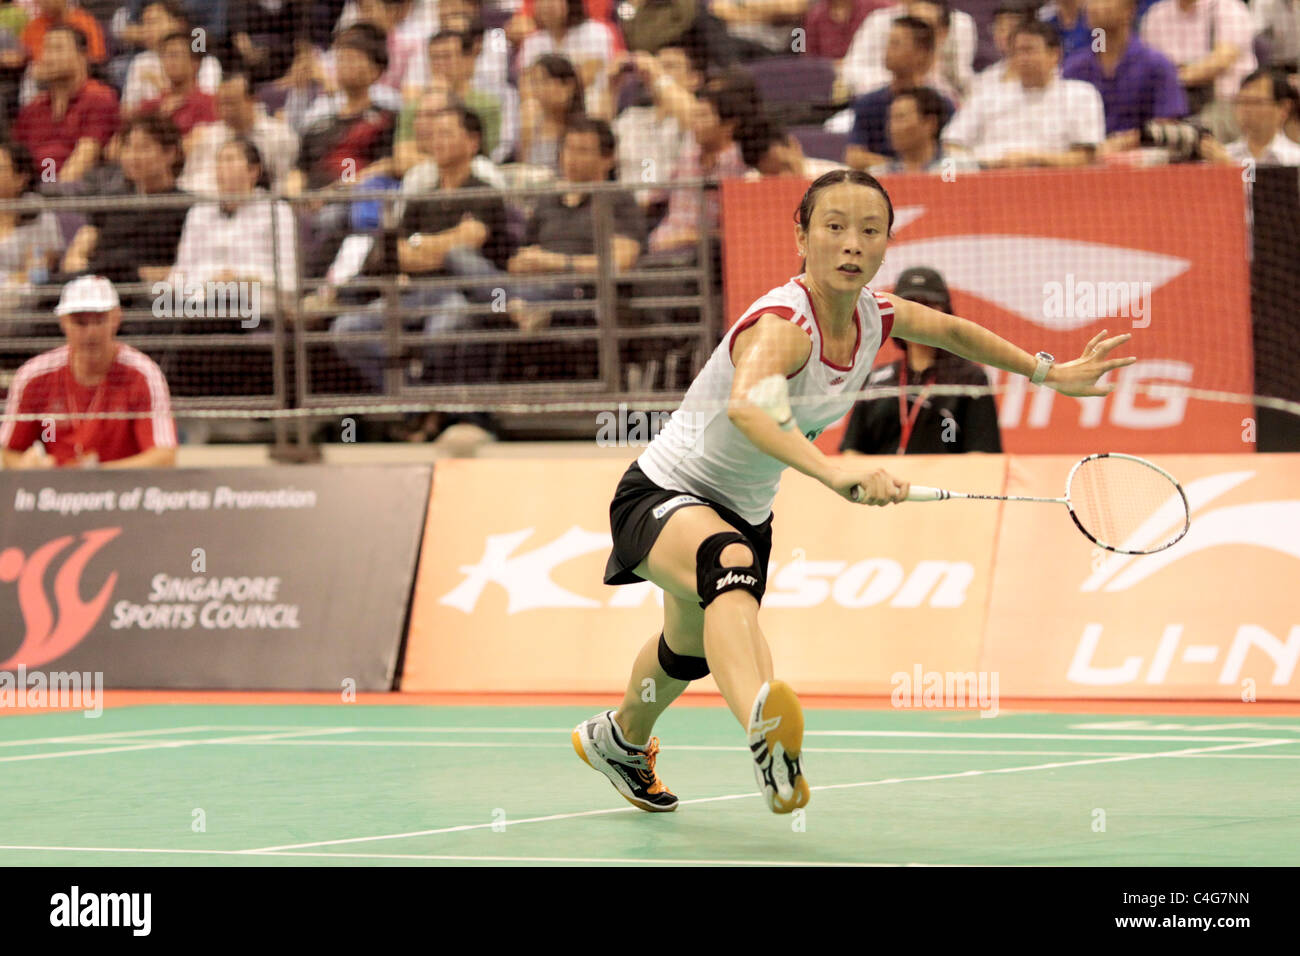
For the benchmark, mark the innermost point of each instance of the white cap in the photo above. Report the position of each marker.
(87, 294)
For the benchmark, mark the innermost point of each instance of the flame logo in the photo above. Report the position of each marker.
(48, 636)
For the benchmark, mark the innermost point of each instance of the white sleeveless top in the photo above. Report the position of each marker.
(701, 452)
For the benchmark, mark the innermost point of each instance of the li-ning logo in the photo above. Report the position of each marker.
(49, 635)
(732, 577)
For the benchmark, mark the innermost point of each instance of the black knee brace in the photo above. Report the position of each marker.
(712, 579)
(680, 666)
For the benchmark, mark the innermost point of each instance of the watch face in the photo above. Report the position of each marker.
(1046, 356)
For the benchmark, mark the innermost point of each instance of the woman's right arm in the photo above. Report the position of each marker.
(774, 346)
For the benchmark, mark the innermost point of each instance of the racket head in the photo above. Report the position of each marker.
(1127, 504)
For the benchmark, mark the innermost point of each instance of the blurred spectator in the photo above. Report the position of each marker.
(1137, 84)
(30, 242)
(863, 68)
(12, 60)
(407, 35)
(136, 243)
(770, 150)
(686, 23)
(909, 57)
(239, 114)
(346, 132)
(145, 79)
(491, 48)
(563, 28)
(92, 373)
(1009, 15)
(436, 238)
(411, 152)
(239, 240)
(918, 424)
(451, 56)
(316, 86)
(829, 25)
(1041, 120)
(1212, 44)
(916, 119)
(714, 153)
(60, 13)
(760, 28)
(524, 23)
(70, 123)
(1262, 108)
(550, 96)
(208, 15)
(1071, 22)
(1278, 22)
(264, 35)
(561, 234)
(182, 101)
(652, 133)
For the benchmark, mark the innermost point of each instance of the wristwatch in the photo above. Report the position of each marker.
(1045, 362)
(414, 240)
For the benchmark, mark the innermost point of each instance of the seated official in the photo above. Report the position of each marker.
(91, 374)
(908, 424)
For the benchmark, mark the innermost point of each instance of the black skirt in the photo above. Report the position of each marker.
(640, 510)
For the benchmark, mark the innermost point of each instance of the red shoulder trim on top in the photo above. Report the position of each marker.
(886, 316)
(783, 311)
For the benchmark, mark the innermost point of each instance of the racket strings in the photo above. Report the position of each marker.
(1127, 505)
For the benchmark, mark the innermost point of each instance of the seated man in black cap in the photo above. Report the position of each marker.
(922, 424)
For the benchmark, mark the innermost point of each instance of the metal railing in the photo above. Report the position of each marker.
(297, 362)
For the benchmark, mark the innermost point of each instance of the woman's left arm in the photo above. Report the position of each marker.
(920, 323)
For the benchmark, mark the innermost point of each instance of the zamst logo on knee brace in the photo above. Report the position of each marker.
(731, 577)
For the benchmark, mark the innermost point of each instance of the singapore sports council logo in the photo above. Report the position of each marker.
(48, 633)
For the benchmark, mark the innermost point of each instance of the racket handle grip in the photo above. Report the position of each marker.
(915, 493)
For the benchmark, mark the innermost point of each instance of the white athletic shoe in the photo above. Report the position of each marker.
(776, 741)
(632, 772)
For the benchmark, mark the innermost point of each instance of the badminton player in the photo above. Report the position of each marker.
(693, 514)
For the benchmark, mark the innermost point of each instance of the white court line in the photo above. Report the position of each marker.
(1163, 738)
(741, 796)
(76, 738)
(157, 745)
(452, 857)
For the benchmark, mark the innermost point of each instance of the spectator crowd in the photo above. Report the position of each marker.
(201, 101)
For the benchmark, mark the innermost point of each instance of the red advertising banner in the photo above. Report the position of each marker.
(1047, 259)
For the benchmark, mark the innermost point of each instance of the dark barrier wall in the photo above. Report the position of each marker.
(1274, 306)
(271, 578)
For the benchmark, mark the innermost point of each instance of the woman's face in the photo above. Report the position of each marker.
(849, 228)
(234, 174)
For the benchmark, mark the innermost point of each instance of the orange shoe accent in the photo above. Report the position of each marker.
(577, 745)
(651, 752)
(782, 702)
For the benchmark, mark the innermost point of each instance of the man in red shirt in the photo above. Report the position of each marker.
(72, 121)
(90, 375)
(183, 103)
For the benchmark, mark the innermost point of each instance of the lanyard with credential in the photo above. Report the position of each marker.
(907, 420)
